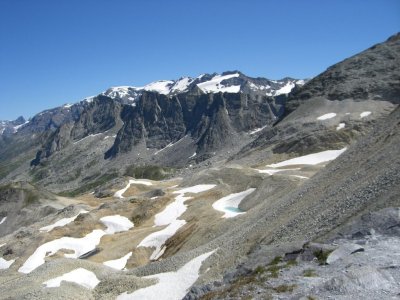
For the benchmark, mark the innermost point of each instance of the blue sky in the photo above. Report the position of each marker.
(54, 52)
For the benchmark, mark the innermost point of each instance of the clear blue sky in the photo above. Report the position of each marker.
(58, 51)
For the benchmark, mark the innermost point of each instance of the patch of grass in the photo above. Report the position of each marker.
(284, 288)
(91, 185)
(311, 298)
(309, 273)
(291, 263)
(274, 270)
(276, 260)
(149, 172)
(259, 270)
(322, 255)
(30, 197)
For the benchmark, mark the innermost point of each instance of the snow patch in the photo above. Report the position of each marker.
(273, 171)
(161, 86)
(326, 116)
(79, 276)
(182, 84)
(79, 246)
(310, 159)
(214, 85)
(5, 264)
(230, 204)
(340, 126)
(62, 222)
(286, 89)
(116, 224)
(157, 239)
(171, 285)
(3, 220)
(118, 264)
(169, 216)
(175, 209)
(257, 130)
(118, 194)
(365, 114)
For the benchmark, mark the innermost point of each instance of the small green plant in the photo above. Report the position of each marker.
(259, 270)
(284, 288)
(311, 298)
(309, 273)
(274, 270)
(276, 260)
(291, 263)
(322, 255)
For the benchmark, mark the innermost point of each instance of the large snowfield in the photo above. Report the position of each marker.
(171, 285)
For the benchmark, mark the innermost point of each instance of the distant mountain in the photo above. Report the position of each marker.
(227, 82)
(9, 127)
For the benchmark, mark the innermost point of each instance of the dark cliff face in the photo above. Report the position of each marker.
(372, 74)
(210, 119)
(93, 117)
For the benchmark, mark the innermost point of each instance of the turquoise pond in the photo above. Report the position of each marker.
(233, 209)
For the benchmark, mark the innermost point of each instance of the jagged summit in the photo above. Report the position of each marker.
(227, 82)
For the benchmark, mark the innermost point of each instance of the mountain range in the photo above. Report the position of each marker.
(221, 186)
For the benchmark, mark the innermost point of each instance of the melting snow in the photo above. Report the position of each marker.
(118, 264)
(79, 276)
(116, 223)
(171, 285)
(119, 193)
(62, 222)
(310, 159)
(273, 171)
(169, 216)
(299, 176)
(365, 114)
(1, 245)
(257, 130)
(157, 239)
(79, 246)
(174, 210)
(3, 220)
(326, 116)
(193, 155)
(89, 136)
(230, 204)
(340, 126)
(214, 85)
(5, 264)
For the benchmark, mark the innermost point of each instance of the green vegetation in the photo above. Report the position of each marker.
(30, 197)
(291, 263)
(259, 270)
(276, 260)
(322, 255)
(284, 288)
(274, 270)
(91, 185)
(148, 172)
(309, 273)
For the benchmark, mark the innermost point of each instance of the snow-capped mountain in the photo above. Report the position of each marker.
(9, 127)
(227, 82)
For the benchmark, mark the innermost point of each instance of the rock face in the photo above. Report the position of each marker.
(97, 116)
(371, 74)
(210, 119)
